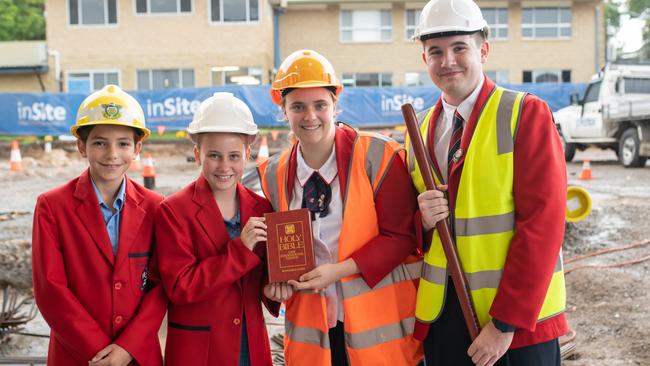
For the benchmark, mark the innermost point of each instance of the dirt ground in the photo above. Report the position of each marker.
(607, 307)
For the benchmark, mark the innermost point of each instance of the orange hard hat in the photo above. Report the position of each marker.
(304, 69)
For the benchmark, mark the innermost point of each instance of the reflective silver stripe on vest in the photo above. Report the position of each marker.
(271, 177)
(483, 279)
(380, 335)
(421, 120)
(402, 272)
(347, 183)
(374, 156)
(485, 225)
(307, 335)
(505, 142)
(559, 265)
(434, 274)
(491, 279)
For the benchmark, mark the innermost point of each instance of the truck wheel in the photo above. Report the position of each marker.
(569, 149)
(628, 149)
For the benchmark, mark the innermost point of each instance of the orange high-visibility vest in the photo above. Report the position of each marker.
(379, 321)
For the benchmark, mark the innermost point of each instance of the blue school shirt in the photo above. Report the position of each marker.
(233, 226)
(112, 219)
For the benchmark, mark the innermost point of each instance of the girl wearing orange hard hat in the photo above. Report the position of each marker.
(357, 306)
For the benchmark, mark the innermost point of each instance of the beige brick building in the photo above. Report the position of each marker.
(369, 41)
(154, 44)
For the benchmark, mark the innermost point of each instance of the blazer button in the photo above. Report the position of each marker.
(118, 319)
(118, 285)
(236, 321)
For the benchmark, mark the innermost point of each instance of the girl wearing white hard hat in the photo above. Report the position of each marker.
(210, 242)
(357, 306)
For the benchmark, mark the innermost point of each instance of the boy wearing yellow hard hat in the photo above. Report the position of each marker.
(92, 245)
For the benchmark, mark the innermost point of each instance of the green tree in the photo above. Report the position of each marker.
(21, 20)
(613, 15)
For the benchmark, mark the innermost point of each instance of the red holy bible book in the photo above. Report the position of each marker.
(289, 244)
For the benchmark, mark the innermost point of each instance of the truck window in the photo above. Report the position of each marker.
(636, 85)
(591, 95)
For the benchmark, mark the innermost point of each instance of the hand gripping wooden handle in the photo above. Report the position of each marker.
(448, 245)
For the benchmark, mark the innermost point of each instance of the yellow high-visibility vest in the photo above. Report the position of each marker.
(484, 215)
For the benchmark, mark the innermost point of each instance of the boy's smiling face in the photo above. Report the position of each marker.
(109, 150)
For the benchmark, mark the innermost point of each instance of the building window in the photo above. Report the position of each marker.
(367, 79)
(366, 26)
(497, 19)
(163, 6)
(234, 10)
(165, 79)
(498, 76)
(225, 75)
(420, 78)
(546, 23)
(412, 18)
(90, 81)
(547, 76)
(92, 12)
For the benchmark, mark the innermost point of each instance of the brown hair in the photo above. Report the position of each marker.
(84, 131)
(283, 101)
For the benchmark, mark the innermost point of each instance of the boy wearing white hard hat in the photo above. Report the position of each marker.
(500, 155)
(210, 247)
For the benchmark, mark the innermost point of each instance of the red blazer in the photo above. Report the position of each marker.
(539, 190)
(89, 297)
(212, 281)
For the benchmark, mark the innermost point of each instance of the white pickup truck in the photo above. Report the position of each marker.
(614, 113)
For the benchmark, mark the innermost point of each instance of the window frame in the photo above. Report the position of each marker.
(245, 22)
(497, 73)
(407, 27)
(352, 29)
(224, 69)
(148, 13)
(379, 79)
(421, 75)
(180, 77)
(494, 27)
(91, 76)
(558, 26)
(79, 15)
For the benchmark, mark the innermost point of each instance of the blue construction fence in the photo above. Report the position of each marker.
(54, 113)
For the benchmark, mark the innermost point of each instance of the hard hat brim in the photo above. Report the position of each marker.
(145, 131)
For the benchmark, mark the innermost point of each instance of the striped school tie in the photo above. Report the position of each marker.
(454, 143)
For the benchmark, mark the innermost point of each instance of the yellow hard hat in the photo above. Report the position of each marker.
(304, 69)
(578, 204)
(110, 106)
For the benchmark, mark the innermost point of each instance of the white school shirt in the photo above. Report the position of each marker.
(326, 230)
(444, 126)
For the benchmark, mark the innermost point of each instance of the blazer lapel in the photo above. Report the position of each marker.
(131, 219)
(208, 214)
(90, 215)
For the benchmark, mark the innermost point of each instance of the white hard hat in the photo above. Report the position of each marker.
(223, 112)
(441, 18)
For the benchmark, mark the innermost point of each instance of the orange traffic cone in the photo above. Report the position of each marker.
(135, 164)
(263, 152)
(586, 170)
(15, 161)
(149, 173)
(275, 134)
